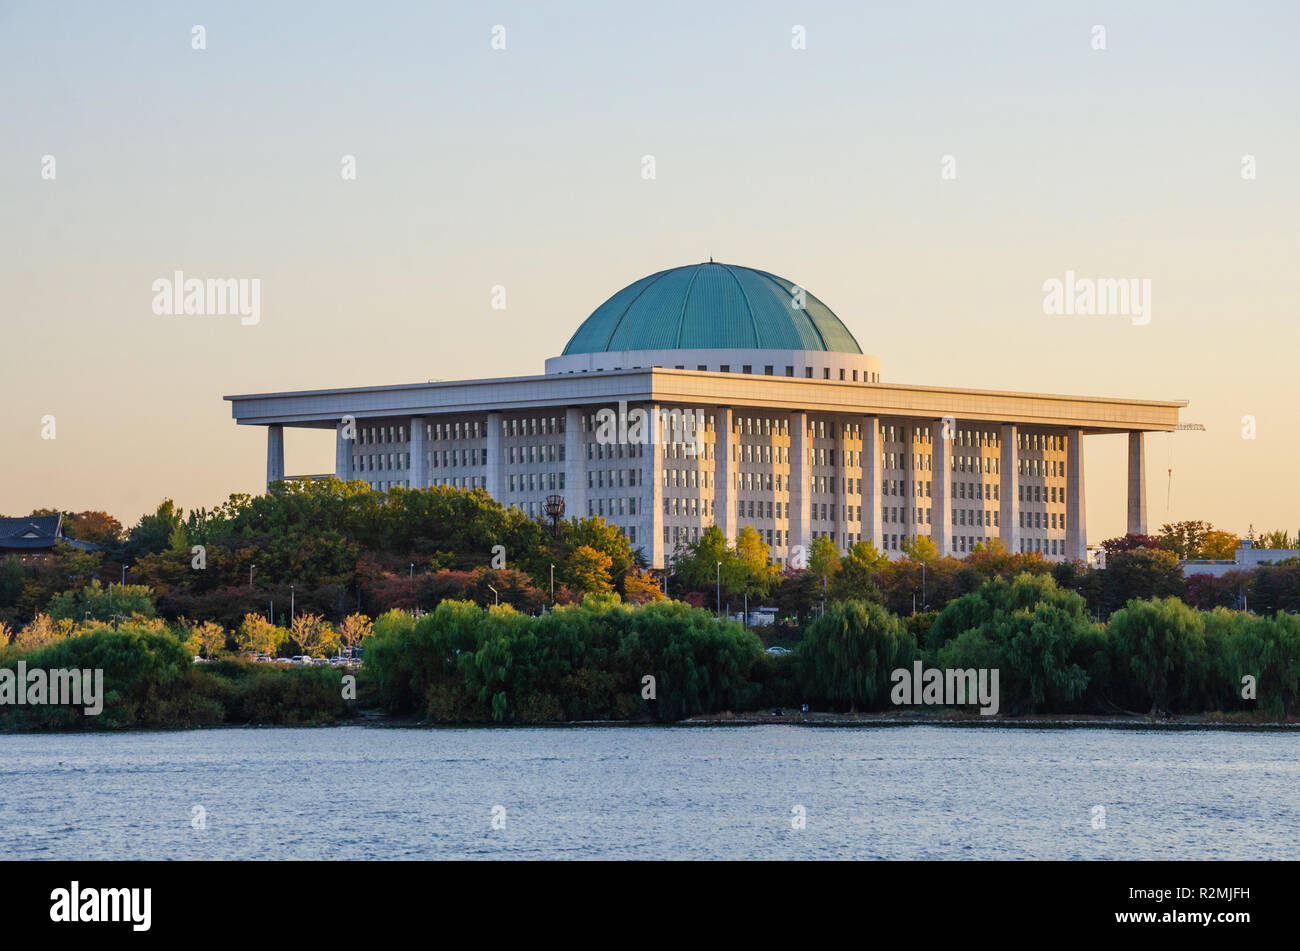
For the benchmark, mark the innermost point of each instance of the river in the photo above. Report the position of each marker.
(742, 792)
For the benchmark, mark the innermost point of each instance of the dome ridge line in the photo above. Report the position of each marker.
(803, 310)
(686, 299)
(749, 308)
(618, 323)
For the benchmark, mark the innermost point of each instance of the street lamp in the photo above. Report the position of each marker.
(124, 567)
(250, 574)
(552, 586)
(495, 592)
(719, 582)
(291, 604)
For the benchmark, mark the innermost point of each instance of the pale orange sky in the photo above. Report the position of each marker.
(522, 167)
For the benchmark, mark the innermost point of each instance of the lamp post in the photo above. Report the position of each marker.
(552, 586)
(923, 602)
(496, 593)
(291, 603)
(124, 567)
(250, 574)
(719, 582)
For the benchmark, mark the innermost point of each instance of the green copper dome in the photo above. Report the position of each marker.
(711, 306)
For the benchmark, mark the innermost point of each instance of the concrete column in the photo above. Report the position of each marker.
(872, 473)
(344, 441)
(575, 465)
(274, 453)
(910, 527)
(493, 471)
(1076, 517)
(1137, 484)
(724, 474)
(841, 494)
(418, 472)
(1009, 489)
(800, 482)
(941, 487)
(652, 492)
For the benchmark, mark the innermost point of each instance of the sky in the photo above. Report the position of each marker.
(923, 168)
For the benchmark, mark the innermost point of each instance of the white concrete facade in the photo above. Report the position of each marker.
(793, 457)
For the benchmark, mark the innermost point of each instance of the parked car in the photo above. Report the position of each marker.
(779, 650)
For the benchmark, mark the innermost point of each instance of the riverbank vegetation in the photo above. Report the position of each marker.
(469, 627)
(150, 681)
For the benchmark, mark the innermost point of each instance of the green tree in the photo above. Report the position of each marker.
(823, 558)
(698, 565)
(1185, 539)
(101, 603)
(1159, 648)
(849, 652)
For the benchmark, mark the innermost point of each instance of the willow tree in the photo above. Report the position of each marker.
(848, 653)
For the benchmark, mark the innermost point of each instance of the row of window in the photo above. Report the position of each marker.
(1038, 493)
(535, 482)
(528, 426)
(617, 477)
(1041, 467)
(1040, 520)
(1039, 441)
(612, 507)
(533, 453)
(614, 450)
(748, 425)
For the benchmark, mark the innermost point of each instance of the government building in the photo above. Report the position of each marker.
(762, 410)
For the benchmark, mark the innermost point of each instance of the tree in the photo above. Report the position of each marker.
(354, 629)
(641, 587)
(599, 535)
(1185, 539)
(1130, 542)
(589, 569)
(311, 633)
(698, 566)
(1219, 545)
(256, 633)
(1141, 573)
(155, 533)
(855, 581)
(823, 558)
(921, 548)
(41, 632)
(102, 603)
(850, 651)
(1277, 538)
(1158, 645)
(99, 528)
(206, 637)
(752, 571)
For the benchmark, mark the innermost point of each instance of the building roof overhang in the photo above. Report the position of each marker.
(324, 408)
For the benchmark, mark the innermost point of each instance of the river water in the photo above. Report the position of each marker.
(755, 792)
